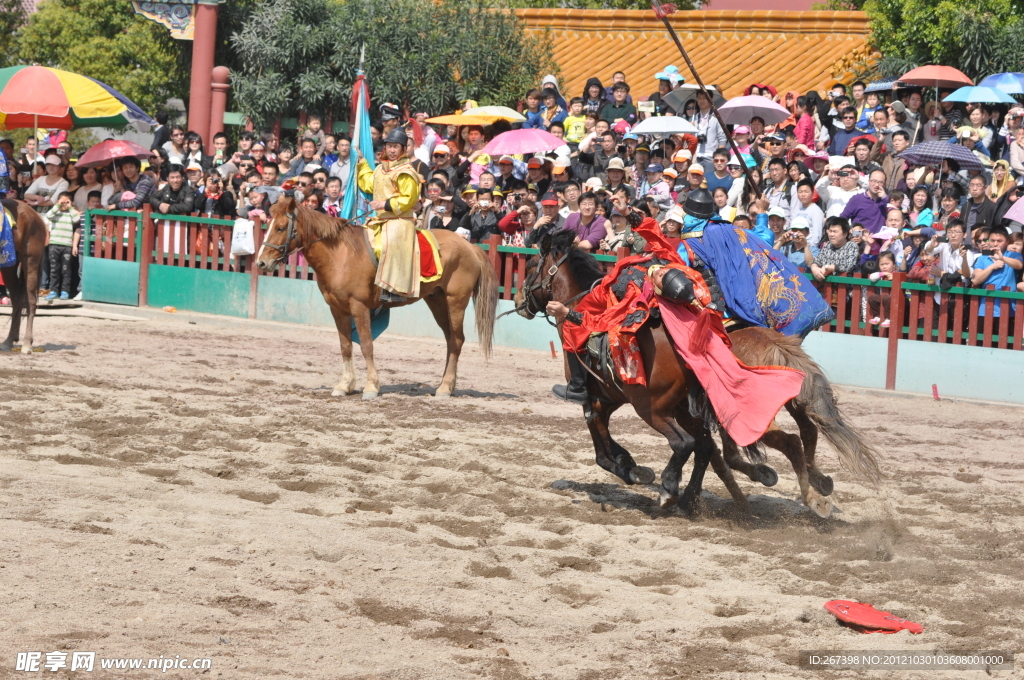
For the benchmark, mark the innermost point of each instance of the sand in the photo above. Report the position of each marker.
(173, 489)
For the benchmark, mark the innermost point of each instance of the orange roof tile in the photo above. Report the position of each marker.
(731, 49)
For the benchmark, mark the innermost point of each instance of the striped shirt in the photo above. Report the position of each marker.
(62, 225)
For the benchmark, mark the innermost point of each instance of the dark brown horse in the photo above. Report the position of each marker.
(339, 253)
(22, 280)
(562, 272)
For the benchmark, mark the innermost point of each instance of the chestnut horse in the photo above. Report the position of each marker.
(339, 253)
(666, 402)
(22, 280)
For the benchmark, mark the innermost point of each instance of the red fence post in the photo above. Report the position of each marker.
(897, 307)
(493, 241)
(145, 254)
(254, 272)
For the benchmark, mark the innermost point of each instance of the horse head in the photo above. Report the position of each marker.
(554, 245)
(281, 237)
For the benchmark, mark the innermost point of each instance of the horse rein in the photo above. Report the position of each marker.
(282, 250)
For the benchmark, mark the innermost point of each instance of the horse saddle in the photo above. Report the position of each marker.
(430, 253)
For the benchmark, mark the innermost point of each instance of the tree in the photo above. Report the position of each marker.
(12, 16)
(981, 39)
(106, 40)
(298, 55)
(601, 4)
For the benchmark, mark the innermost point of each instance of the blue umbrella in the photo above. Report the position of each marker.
(1010, 83)
(979, 94)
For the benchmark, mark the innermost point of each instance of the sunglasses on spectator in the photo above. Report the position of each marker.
(303, 184)
(849, 118)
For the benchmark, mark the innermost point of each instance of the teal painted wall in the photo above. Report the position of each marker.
(199, 290)
(110, 281)
(855, 360)
(291, 301)
(958, 371)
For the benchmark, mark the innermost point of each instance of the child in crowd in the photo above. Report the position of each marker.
(313, 131)
(575, 123)
(62, 217)
(878, 302)
(94, 201)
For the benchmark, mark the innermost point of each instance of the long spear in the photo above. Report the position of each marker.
(662, 12)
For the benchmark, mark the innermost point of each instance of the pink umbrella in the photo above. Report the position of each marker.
(936, 76)
(106, 152)
(1016, 211)
(516, 142)
(739, 110)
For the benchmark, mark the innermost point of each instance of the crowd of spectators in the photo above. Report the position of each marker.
(838, 196)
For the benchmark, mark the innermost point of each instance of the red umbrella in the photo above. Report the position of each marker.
(936, 76)
(106, 152)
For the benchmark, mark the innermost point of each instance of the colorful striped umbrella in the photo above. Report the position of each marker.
(38, 96)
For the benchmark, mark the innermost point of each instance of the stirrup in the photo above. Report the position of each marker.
(388, 296)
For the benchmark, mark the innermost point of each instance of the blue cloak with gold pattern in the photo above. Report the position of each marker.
(760, 285)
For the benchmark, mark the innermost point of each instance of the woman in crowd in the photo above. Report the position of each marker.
(921, 214)
(284, 159)
(1002, 180)
(88, 182)
(175, 146)
(194, 152)
(517, 224)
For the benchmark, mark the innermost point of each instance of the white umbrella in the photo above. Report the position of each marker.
(664, 125)
(739, 110)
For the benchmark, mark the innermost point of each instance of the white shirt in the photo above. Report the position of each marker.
(815, 217)
(835, 198)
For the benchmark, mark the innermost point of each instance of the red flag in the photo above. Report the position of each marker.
(662, 11)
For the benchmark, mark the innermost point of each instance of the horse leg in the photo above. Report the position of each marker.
(31, 297)
(725, 474)
(821, 482)
(347, 385)
(609, 454)
(757, 472)
(16, 289)
(449, 312)
(361, 315)
(791, 445)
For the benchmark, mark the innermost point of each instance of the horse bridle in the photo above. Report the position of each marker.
(282, 250)
(530, 286)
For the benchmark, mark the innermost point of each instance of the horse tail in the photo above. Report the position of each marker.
(485, 300)
(819, 403)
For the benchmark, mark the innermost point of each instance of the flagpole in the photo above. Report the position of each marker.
(662, 12)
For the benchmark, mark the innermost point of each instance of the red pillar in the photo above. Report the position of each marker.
(203, 43)
(219, 101)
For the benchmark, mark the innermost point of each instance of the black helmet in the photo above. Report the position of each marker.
(397, 136)
(700, 204)
(676, 285)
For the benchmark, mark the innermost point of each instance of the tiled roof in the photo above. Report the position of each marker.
(731, 49)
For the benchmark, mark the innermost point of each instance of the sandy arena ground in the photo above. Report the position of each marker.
(177, 489)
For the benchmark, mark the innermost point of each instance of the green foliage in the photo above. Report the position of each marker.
(297, 55)
(12, 16)
(981, 39)
(106, 40)
(601, 4)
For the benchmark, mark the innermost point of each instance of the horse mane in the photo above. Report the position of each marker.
(582, 264)
(322, 226)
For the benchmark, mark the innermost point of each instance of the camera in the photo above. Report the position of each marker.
(25, 173)
(856, 232)
(516, 199)
(61, 152)
(942, 239)
(843, 173)
(988, 253)
(24, 151)
(621, 148)
(701, 138)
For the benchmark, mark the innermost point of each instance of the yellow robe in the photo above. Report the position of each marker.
(398, 185)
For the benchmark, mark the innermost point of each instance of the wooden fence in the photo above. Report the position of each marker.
(957, 316)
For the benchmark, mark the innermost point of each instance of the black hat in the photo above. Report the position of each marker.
(397, 136)
(700, 204)
(675, 285)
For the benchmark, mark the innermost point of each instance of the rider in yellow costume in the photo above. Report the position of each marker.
(395, 186)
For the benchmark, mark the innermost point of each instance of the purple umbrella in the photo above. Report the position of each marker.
(1016, 211)
(933, 153)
